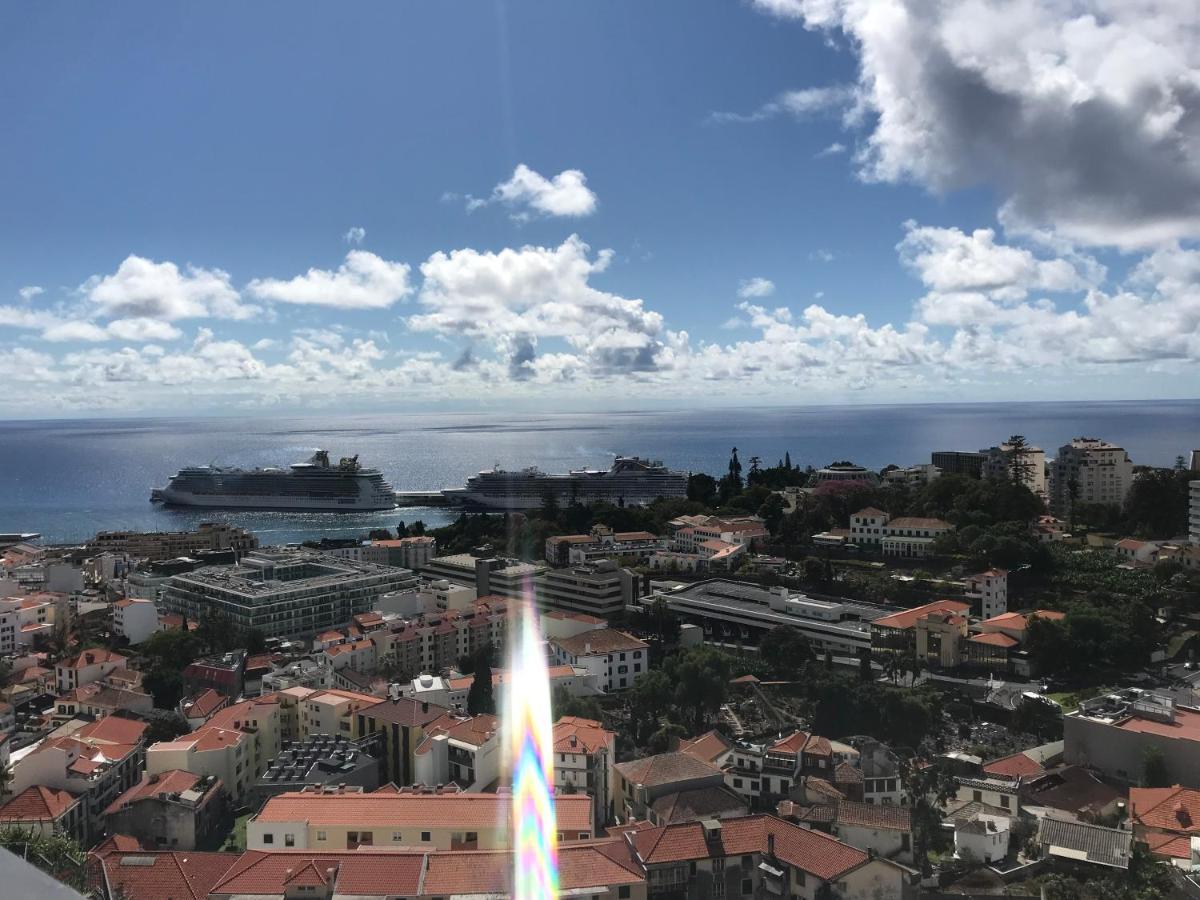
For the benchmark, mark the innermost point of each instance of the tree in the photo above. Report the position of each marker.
(56, 855)
(1154, 768)
(649, 701)
(166, 728)
(771, 512)
(866, 672)
(784, 650)
(481, 698)
(787, 460)
(701, 679)
(702, 488)
(564, 703)
(1020, 468)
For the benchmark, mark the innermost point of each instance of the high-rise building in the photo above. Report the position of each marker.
(958, 462)
(1194, 512)
(997, 462)
(1089, 470)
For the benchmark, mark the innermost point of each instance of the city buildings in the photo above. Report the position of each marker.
(161, 545)
(24, 621)
(400, 818)
(843, 472)
(904, 536)
(732, 612)
(1166, 820)
(1194, 511)
(602, 543)
(584, 755)
(998, 463)
(46, 811)
(959, 462)
(317, 761)
(134, 619)
(402, 723)
(614, 658)
(1089, 470)
(501, 577)
(462, 750)
(929, 632)
(639, 783)
(176, 810)
(989, 589)
(86, 667)
(282, 593)
(1112, 734)
(600, 588)
(404, 553)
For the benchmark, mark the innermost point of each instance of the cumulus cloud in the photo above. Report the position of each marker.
(143, 330)
(30, 291)
(142, 288)
(530, 193)
(1085, 115)
(355, 235)
(756, 287)
(516, 296)
(363, 281)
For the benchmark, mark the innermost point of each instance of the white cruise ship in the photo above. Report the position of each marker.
(315, 485)
(631, 481)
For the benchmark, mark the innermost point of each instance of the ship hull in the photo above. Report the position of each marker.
(169, 497)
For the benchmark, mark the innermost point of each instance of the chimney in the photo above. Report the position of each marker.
(424, 706)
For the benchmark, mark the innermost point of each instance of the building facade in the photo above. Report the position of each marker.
(1089, 470)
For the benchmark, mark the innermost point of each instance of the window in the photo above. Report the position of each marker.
(977, 796)
(747, 886)
(425, 836)
(1004, 801)
(321, 836)
(472, 836)
(289, 840)
(718, 864)
(397, 837)
(747, 861)
(268, 838)
(623, 892)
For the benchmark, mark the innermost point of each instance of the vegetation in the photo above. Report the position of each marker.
(564, 703)
(481, 698)
(57, 855)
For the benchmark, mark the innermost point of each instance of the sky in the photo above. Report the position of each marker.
(598, 204)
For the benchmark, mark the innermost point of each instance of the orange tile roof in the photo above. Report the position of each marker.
(793, 743)
(204, 704)
(994, 638)
(918, 522)
(1172, 846)
(91, 658)
(810, 851)
(600, 640)
(1016, 766)
(461, 811)
(403, 712)
(708, 747)
(37, 804)
(908, 618)
(172, 782)
(1174, 809)
(112, 730)
(473, 730)
(573, 734)
(871, 815)
(169, 875)
(665, 768)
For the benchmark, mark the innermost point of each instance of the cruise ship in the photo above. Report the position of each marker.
(310, 486)
(630, 481)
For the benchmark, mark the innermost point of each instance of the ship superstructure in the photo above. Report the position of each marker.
(630, 481)
(316, 485)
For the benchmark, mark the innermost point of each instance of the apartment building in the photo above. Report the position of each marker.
(501, 577)
(46, 811)
(404, 818)
(96, 762)
(159, 545)
(283, 594)
(998, 462)
(462, 750)
(601, 543)
(639, 783)
(134, 619)
(989, 589)
(1194, 511)
(402, 723)
(1112, 734)
(177, 810)
(959, 462)
(1089, 470)
(584, 755)
(615, 659)
(25, 620)
(86, 667)
(600, 588)
(403, 553)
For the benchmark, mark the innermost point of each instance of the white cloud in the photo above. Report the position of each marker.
(514, 297)
(756, 287)
(355, 235)
(30, 291)
(821, 255)
(363, 281)
(142, 288)
(1085, 115)
(143, 330)
(75, 330)
(834, 149)
(565, 194)
(801, 103)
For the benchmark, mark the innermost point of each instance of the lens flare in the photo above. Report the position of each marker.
(531, 757)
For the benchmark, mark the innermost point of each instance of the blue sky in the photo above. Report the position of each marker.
(248, 139)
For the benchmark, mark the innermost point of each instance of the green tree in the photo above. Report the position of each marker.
(771, 512)
(866, 672)
(702, 488)
(564, 703)
(650, 700)
(166, 728)
(1154, 768)
(481, 697)
(785, 650)
(56, 855)
(1020, 466)
(701, 679)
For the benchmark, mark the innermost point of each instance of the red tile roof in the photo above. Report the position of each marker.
(600, 640)
(204, 704)
(708, 747)
(91, 658)
(37, 804)
(403, 712)
(1016, 766)
(164, 875)
(112, 730)
(908, 618)
(1169, 845)
(1169, 809)
(810, 851)
(994, 639)
(468, 812)
(870, 815)
(573, 734)
(172, 782)
(665, 768)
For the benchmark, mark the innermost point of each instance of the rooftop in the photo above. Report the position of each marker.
(1086, 843)
(600, 640)
(37, 803)
(665, 768)
(908, 618)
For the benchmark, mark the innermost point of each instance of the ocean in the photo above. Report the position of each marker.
(70, 479)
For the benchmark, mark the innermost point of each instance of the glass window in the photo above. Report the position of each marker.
(268, 838)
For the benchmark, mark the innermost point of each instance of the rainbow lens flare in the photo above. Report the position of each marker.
(531, 757)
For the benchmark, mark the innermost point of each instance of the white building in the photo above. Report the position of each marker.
(465, 750)
(614, 658)
(85, 667)
(23, 620)
(1194, 512)
(1089, 470)
(997, 462)
(990, 589)
(913, 476)
(982, 837)
(601, 588)
(867, 527)
(134, 619)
